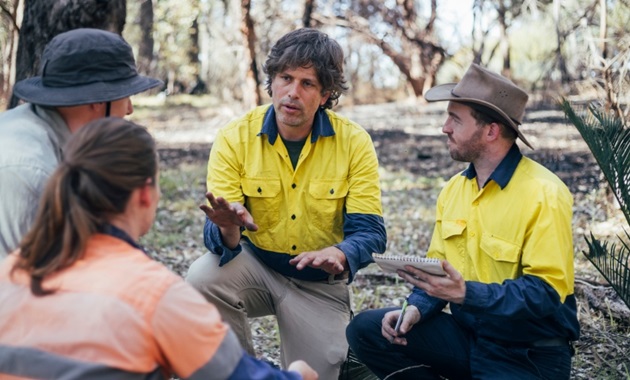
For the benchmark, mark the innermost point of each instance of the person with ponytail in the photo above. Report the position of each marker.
(81, 299)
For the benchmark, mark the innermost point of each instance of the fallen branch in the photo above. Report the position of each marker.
(604, 299)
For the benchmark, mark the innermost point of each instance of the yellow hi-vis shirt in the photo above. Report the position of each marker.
(303, 209)
(494, 234)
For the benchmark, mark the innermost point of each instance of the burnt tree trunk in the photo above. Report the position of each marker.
(44, 19)
(307, 17)
(249, 34)
(145, 49)
(199, 85)
(504, 43)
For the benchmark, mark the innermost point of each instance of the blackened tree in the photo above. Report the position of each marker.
(44, 19)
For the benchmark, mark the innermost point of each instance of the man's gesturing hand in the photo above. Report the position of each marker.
(226, 215)
(330, 259)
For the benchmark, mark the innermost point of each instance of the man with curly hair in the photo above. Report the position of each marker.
(294, 207)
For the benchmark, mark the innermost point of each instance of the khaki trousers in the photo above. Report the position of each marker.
(312, 316)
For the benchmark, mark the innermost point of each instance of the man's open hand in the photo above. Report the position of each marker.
(331, 260)
(226, 215)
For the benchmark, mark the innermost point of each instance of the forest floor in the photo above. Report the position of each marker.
(414, 165)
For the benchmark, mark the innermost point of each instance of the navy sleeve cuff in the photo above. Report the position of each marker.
(476, 296)
(352, 263)
(213, 241)
(364, 234)
(427, 305)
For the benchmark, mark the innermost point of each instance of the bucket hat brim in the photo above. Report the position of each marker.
(33, 91)
(84, 66)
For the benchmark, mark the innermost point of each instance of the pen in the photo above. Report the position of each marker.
(400, 318)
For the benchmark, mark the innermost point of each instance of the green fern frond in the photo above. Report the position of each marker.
(613, 263)
(609, 141)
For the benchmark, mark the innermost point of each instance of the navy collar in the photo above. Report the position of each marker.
(111, 230)
(503, 172)
(321, 126)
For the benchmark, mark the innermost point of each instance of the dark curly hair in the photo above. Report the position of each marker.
(308, 47)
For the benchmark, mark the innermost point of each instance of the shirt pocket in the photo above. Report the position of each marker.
(326, 200)
(454, 239)
(263, 200)
(502, 258)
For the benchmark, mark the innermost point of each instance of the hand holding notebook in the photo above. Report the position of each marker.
(391, 264)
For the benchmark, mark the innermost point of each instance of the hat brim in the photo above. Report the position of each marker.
(444, 92)
(33, 91)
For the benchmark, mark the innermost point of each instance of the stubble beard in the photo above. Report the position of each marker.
(291, 121)
(468, 150)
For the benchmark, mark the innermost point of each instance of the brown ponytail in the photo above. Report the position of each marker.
(103, 163)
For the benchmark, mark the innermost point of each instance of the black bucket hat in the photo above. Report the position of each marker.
(84, 66)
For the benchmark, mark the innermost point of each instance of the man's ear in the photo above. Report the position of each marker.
(325, 97)
(97, 108)
(494, 131)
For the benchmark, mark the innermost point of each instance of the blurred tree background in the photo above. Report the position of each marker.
(213, 51)
(395, 49)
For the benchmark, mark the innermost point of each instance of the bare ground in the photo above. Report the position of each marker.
(414, 163)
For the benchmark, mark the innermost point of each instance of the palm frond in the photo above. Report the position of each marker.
(609, 141)
(612, 262)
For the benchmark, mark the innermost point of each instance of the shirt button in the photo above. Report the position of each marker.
(293, 216)
(294, 247)
(259, 190)
(293, 186)
(476, 203)
(332, 191)
(472, 234)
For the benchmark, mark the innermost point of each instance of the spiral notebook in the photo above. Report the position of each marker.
(391, 264)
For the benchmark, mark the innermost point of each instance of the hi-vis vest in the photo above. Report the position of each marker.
(115, 314)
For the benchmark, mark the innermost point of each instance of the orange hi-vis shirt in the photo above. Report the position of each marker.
(115, 314)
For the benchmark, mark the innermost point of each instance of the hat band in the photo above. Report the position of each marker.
(70, 76)
(490, 113)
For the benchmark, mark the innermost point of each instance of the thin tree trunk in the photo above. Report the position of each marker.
(309, 6)
(145, 49)
(560, 39)
(612, 99)
(477, 13)
(504, 42)
(10, 49)
(603, 26)
(249, 34)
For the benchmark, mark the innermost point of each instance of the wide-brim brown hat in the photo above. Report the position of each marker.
(84, 66)
(484, 87)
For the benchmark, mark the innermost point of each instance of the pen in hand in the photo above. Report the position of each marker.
(400, 318)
